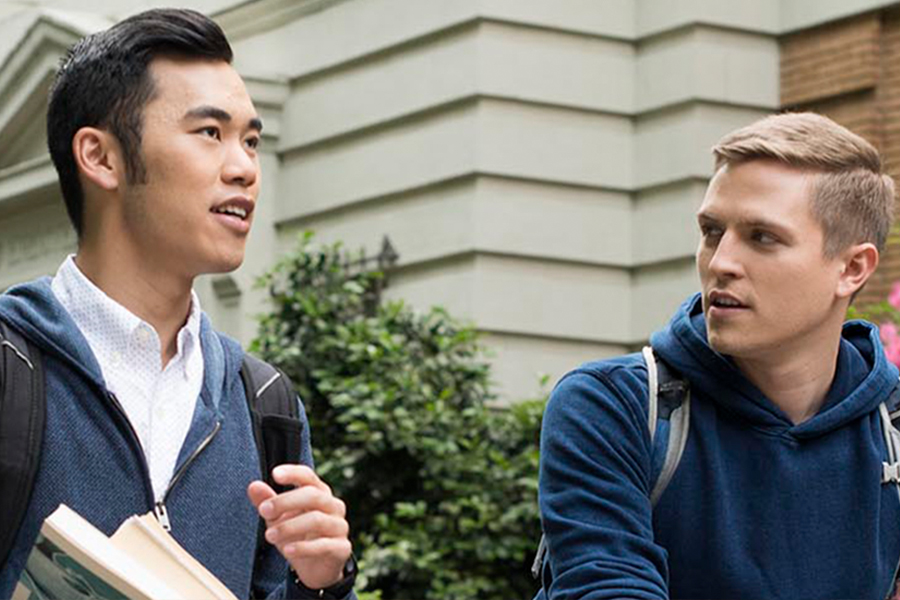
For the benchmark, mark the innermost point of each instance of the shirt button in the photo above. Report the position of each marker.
(115, 358)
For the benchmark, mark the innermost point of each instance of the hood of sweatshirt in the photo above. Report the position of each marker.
(863, 377)
(33, 309)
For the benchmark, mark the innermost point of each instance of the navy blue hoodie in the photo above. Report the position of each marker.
(758, 508)
(92, 461)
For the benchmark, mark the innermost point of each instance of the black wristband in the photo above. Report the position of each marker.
(338, 591)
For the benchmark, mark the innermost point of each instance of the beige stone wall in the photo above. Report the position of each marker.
(536, 164)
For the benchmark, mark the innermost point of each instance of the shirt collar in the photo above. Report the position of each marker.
(100, 317)
(188, 338)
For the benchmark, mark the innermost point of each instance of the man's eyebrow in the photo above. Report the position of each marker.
(753, 222)
(213, 112)
(208, 112)
(769, 225)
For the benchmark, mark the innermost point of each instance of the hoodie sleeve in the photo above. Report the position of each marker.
(594, 489)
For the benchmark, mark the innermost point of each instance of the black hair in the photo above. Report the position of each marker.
(104, 81)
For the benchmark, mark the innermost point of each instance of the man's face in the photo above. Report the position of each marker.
(767, 287)
(199, 143)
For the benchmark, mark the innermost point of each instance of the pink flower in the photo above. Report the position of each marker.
(894, 296)
(890, 336)
(893, 353)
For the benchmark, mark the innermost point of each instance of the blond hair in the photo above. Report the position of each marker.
(852, 197)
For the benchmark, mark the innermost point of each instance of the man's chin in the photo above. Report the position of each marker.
(225, 264)
(229, 268)
(720, 342)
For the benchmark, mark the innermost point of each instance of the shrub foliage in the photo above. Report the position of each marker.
(441, 489)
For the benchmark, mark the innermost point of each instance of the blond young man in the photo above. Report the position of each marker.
(779, 491)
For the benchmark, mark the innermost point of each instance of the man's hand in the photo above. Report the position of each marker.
(307, 524)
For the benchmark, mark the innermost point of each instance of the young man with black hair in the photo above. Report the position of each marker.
(786, 487)
(155, 138)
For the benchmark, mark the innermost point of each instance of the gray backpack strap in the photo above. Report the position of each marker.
(653, 389)
(675, 396)
(668, 420)
(890, 470)
(889, 411)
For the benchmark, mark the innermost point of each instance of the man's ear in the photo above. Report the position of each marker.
(857, 265)
(99, 158)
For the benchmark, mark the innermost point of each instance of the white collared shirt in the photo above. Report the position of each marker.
(158, 402)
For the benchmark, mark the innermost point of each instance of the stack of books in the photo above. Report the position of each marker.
(72, 559)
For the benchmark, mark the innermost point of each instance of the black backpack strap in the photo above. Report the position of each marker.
(277, 430)
(275, 414)
(22, 415)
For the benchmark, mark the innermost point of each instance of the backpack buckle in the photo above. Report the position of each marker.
(890, 473)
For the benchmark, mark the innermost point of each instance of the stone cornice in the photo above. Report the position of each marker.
(26, 74)
(252, 17)
(28, 176)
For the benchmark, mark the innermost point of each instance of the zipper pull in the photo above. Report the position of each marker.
(162, 516)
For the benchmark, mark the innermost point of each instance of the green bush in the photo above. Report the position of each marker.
(441, 489)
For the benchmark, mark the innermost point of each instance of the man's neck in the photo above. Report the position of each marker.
(796, 380)
(154, 295)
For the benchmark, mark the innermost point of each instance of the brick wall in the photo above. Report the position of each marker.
(850, 71)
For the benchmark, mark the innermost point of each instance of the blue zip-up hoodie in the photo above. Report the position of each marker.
(758, 507)
(92, 461)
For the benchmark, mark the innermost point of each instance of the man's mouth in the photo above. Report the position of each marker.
(724, 301)
(232, 210)
(237, 207)
(235, 214)
(236, 211)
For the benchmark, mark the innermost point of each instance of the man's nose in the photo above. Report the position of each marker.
(726, 258)
(241, 166)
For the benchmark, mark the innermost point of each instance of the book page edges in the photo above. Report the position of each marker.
(21, 592)
(167, 559)
(86, 544)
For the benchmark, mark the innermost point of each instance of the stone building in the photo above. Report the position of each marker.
(536, 163)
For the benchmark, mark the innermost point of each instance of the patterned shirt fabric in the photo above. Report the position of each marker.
(159, 402)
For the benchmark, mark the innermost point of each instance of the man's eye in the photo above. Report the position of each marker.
(252, 142)
(764, 237)
(710, 231)
(212, 132)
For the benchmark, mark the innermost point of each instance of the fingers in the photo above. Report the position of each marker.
(301, 500)
(258, 492)
(340, 548)
(311, 494)
(308, 526)
(298, 475)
